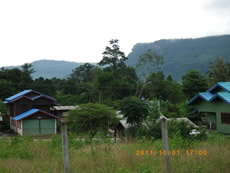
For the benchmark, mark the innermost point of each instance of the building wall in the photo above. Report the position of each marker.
(217, 107)
(23, 105)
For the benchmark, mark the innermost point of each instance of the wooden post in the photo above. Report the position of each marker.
(65, 147)
(164, 133)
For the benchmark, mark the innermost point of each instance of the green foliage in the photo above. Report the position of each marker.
(219, 71)
(114, 57)
(145, 168)
(157, 87)
(148, 61)
(134, 110)
(66, 99)
(18, 147)
(83, 73)
(91, 118)
(150, 130)
(193, 83)
(181, 128)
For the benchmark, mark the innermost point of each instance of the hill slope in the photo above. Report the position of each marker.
(52, 68)
(181, 55)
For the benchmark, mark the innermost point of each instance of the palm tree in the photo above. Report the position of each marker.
(219, 71)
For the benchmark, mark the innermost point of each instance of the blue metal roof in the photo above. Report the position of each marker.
(31, 112)
(21, 94)
(223, 85)
(36, 97)
(26, 114)
(207, 96)
(18, 95)
(225, 96)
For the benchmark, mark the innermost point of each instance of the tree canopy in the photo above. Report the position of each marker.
(134, 110)
(219, 71)
(91, 118)
(193, 83)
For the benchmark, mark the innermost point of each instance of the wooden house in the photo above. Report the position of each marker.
(29, 113)
(215, 106)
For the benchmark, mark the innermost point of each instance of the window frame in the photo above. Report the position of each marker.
(225, 118)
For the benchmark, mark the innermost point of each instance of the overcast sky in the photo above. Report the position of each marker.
(79, 30)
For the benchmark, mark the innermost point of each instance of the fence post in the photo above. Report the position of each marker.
(164, 133)
(65, 146)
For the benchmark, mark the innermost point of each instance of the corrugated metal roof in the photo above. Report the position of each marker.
(31, 112)
(21, 95)
(207, 96)
(124, 124)
(223, 85)
(64, 108)
(225, 96)
(26, 114)
(18, 95)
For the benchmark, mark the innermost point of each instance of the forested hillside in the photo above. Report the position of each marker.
(181, 55)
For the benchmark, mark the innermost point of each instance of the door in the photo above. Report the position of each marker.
(30, 127)
(40, 126)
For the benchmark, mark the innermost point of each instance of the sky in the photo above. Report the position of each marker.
(79, 30)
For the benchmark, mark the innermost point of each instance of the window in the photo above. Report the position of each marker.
(225, 118)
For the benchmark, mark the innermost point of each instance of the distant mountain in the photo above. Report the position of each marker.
(181, 55)
(52, 68)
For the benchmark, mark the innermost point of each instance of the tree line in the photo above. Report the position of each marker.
(111, 81)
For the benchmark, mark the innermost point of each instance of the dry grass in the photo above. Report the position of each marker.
(118, 158)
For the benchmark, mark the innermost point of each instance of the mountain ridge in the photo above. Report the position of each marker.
(181, 55)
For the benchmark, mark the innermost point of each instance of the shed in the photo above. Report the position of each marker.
(61, 111)
(34, 122)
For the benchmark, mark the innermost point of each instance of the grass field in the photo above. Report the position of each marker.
(23, 154)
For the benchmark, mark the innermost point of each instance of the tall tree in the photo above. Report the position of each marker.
(193, 83)
(113, 57)
(26, 79)
(219, 71)
(146, 63)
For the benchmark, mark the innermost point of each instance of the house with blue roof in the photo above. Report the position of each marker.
(215, 105)
(30, 113)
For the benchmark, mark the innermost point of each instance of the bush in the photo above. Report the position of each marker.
(181, 128)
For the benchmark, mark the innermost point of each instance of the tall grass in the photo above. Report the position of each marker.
(106, 157)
